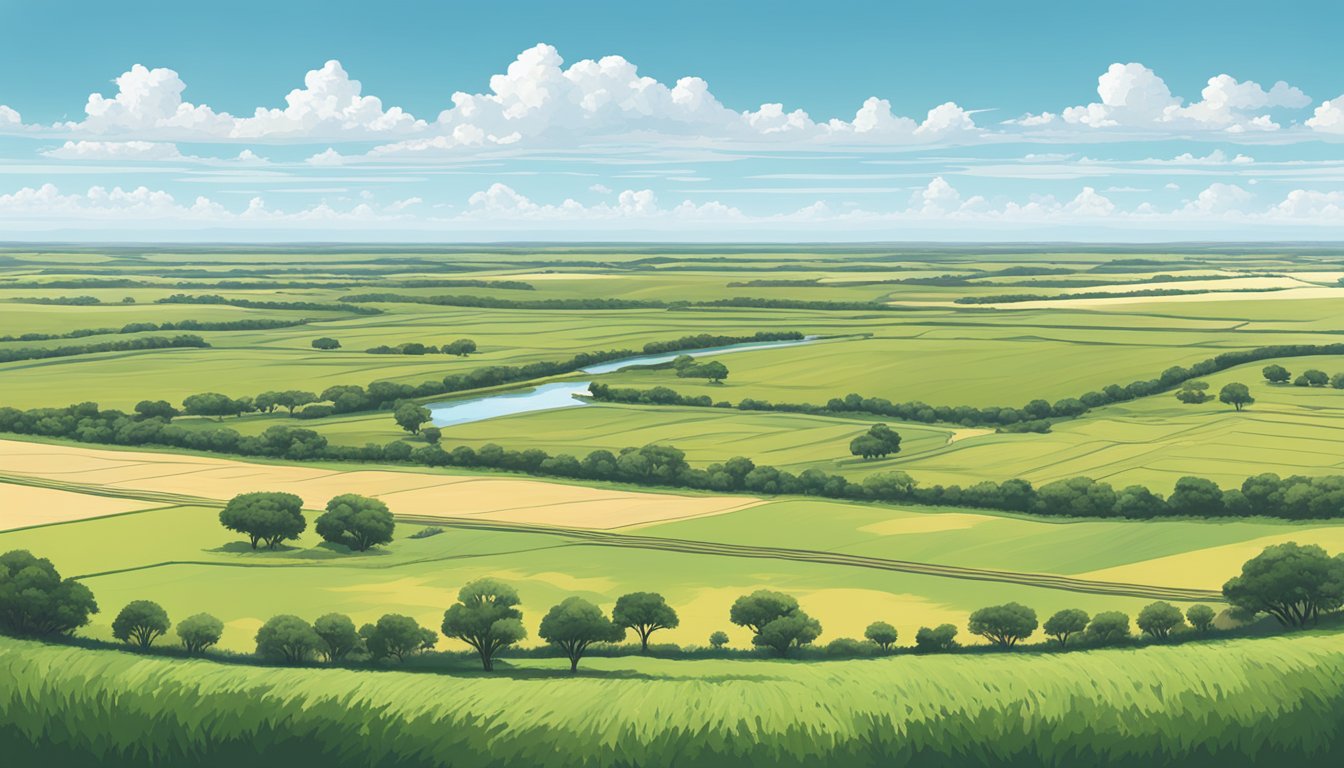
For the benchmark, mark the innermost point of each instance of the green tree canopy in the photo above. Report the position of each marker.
(264, 517)
(935, 639)
(358, 522)
(1004, 624)
(287, 638)
(485, 617)
(161, 409)
(339, 636)
(1293, 583)
(718, 639)
(1158, 620)
(1200, 617)
(212, 404)
(461, 347)
(575, 624)
(199, 631)
(1107, 628)
(409, 416)
(645, 613)
(881, 633)
(761, 607)
(36, 602)
(326, 342)
(1064, 624)
(792, 631)
(396, 636)
(1236, 394)
(1276, 374)
(140, 623)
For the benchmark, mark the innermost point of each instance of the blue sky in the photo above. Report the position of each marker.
(693, 121)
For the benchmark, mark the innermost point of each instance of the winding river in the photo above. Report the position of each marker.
(563, 394)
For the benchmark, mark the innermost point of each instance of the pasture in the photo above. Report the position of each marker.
(140, 521)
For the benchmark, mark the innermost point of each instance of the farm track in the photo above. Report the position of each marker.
(689, 546)
(590, 537)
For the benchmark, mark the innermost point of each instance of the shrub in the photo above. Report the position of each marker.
(36, 602)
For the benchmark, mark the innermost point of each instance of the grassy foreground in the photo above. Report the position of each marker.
(1236, 702)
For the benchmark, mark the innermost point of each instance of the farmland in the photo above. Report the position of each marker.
(139, 519)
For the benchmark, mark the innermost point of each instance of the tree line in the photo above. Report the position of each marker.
(458, 348)
(1296, 585)
(302, 306)
(1296, 497)
(1013, 298)
(1034, 416)
(142, 342)
(258, 324)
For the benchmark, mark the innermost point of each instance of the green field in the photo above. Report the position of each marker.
(1193, 705)
(848, 562)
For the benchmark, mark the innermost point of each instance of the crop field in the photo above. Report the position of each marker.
(138, 518)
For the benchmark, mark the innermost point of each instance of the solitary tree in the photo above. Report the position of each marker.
(36, 602)
(1158, 620)
(339, 636)
(881, 633)
(410, 416)
(878, 442)
(264, 517)
(140, 623)
(718, 639)
(1003, 624)
(326, 342)
(687, 368)
(1293, 583)
(575, 624)
(358, 522)
(287, 638)
(1236, 395)
(1065, 624)
(461, 347)
(485, 617)
(396, 636)
(1276, 374)
(1107, 628)
(1200, 617)
(645, 613)
(432, 435)
(936, 639)
(199, 631)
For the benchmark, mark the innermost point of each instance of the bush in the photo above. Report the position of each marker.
(937, 639)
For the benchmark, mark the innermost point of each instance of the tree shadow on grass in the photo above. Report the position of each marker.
(243, 548)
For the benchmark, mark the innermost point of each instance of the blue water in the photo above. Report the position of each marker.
(562, 394)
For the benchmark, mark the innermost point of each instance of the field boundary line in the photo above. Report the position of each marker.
(690, 546)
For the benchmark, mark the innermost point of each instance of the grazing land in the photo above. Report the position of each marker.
(127, 500)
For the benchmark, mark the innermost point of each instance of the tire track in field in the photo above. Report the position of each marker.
(822, 557)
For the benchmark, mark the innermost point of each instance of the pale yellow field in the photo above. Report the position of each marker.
(418, 493)
(1208, 568)
(22, 506)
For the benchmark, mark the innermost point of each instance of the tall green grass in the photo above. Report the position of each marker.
(1264, 701)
